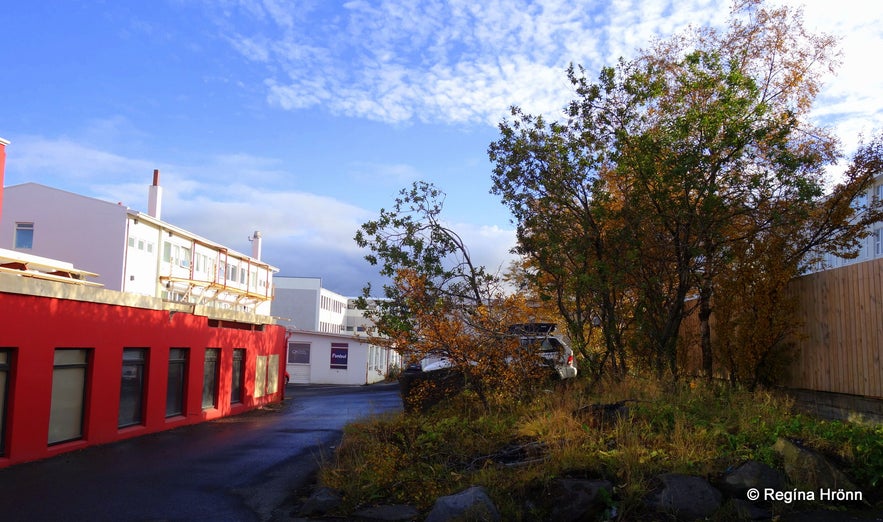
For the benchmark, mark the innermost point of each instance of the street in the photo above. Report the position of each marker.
(234, 469)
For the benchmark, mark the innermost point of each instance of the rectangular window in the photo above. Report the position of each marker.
(273, 373)
(149, 247)
(132, 387)
(298, 353)
(210, 378)
(878, 242)
(24, 235)
(167, 252)
(68, 395)
(5, 356)
(260, 376)
(185, 257)
(176, 382)
(131, 242)
(237, 376)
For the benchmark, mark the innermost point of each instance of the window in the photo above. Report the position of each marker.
(298, 353)
(185, 257)
(131, 242)
(24, 235)
(210, 379)
(167, 252)
(4, 390)
(237, 376)
(878, 242)
(132, 387)
(260, 376)
(68, 395)
(177, 380)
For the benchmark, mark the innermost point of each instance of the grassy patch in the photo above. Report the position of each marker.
(517, 450)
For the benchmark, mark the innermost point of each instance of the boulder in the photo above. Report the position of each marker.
(322, 501)
(809, 470)
(579, 499)
(752, 474)
(388, 513)
(684, 496)
(471, 504)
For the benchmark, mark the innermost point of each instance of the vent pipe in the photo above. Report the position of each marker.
(256, 244)
(154, 197)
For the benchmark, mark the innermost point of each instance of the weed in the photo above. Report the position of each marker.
(696, 428)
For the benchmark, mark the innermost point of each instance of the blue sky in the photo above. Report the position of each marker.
(303, 118)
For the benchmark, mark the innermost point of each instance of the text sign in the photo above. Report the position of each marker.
(339, 356)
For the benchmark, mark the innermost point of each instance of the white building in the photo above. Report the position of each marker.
(134, 252)
(872, 246)
(327, 341)
(302, 303)
(323, 358)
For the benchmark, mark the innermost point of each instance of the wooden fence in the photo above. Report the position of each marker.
(840, 343)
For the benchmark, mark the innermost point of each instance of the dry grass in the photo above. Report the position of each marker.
(690, 428)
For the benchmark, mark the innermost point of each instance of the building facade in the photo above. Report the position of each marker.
(81, 365)
(175, 331)
(134, 252)
(328, 336)
(872, 246)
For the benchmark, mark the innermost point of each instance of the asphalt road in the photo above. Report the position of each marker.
(239, 468)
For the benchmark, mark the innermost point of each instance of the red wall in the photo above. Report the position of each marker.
(33, 327)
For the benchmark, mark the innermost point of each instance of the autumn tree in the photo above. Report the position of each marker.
(440, 304)
(674, 164)
(550, 175)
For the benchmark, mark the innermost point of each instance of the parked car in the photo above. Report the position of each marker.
(554, 351)
(533, 336)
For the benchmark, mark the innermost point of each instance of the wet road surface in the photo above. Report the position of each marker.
(238, 468)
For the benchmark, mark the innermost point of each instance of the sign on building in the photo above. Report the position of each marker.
(339, 356)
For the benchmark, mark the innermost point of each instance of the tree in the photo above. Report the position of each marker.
(550, 177)
(671, 166)
(439, 303)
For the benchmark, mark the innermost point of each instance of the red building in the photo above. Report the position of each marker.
(81, 365)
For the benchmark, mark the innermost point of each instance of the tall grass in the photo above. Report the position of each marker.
(688, 428)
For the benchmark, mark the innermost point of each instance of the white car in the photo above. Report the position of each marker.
(556, 353)
(534, 336)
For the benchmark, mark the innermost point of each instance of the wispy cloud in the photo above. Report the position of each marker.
(446, 61)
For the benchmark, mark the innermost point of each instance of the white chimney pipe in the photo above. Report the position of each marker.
(154, 197)
(256, 245)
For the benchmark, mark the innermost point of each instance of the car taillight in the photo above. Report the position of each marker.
(570, 360)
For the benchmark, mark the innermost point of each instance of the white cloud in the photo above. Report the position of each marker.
(449, 61)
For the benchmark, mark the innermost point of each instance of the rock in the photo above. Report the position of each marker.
(388, 513)
(752, 474)
(745, 510)
(685, 497)
(471, 504)
(322, 501)
(578, 499)
(809, 470)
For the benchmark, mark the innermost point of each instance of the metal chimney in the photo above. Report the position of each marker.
(154, 197)
(256, 244)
